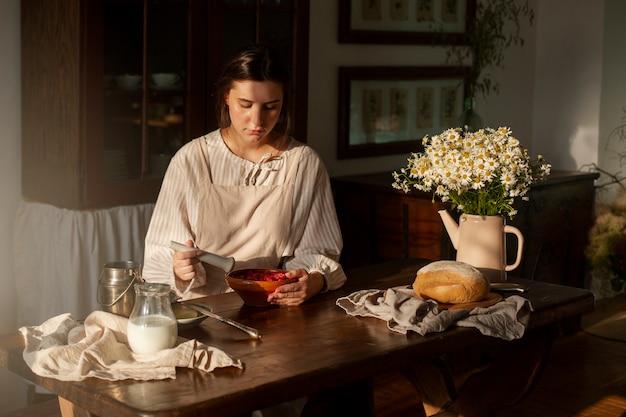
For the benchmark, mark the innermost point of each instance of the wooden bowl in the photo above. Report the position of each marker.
(252, 287)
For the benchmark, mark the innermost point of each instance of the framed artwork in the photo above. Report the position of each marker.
(388, 110)
(405, 21)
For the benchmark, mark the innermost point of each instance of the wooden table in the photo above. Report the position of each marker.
(316, 347)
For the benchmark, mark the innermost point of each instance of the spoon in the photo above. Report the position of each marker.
(226, 264)
(206, 310)
(509, 286)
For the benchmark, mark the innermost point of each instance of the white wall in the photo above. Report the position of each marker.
(513, 105)
(11, 153)
(613, 96)
(11, 387)
(566, 107)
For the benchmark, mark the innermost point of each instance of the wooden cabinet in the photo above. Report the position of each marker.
(555, 223)
(94, 137)
(379, 223)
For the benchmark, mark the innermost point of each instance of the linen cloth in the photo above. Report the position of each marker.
(404, 312)
(59, 255)
(64, 349)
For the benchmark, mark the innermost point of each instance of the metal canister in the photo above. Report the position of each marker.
(115, 286)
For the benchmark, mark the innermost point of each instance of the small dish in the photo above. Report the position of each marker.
(187, 318)
(128, 81)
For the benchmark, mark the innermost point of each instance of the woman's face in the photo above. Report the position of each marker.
(254, 108)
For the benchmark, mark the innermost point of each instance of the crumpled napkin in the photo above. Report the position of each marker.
(64, 349)
(402, 311)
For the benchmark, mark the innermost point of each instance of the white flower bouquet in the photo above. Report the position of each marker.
(479, 172)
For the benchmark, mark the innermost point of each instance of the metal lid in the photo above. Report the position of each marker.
(120, 272)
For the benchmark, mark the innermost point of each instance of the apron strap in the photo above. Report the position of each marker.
(202, 144)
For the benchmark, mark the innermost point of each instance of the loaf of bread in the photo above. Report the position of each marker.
(451, 282)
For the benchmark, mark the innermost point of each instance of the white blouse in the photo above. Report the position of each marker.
(176, 212)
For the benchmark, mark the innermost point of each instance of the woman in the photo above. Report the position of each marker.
(248, 191)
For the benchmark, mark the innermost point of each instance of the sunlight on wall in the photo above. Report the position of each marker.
(583, 147)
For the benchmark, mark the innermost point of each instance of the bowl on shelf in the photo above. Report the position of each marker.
(128, 81)
(165, 79)
(253, 285)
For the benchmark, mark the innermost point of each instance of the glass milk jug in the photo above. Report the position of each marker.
(152, 324)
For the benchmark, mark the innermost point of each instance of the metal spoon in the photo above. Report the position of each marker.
(206, 310)
(509, 286)
(226, 264)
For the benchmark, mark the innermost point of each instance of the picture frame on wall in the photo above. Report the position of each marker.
(388, 110)
(405, 21)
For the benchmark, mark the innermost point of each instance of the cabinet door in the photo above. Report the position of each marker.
(51, 101)
(379, 224)
(555, 224)
(407, 227)
(139, 67)
(284, 24)
(425, 234)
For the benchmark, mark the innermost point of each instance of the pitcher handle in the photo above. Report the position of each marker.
(520, 246)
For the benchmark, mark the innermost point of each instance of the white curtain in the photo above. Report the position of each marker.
(60, 253)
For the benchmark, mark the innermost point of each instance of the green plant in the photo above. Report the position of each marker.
(607, 237)
(607, 241)
(497, 26)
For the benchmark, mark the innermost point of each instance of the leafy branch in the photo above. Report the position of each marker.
(616, 178)
(607, 237)
(496, 27)
(618, 134)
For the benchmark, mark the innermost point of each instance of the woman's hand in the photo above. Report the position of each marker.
(298, 292)
(184, 262)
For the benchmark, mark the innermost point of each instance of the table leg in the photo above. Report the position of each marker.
(490, 387)
(69, 409)
(434, 383)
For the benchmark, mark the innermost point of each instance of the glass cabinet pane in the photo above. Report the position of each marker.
(167, 57)
(265, 21)
(239, 30)
(123, 78)
(276, 28)
(145, 65)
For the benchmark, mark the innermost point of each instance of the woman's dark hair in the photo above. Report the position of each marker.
(255, 63)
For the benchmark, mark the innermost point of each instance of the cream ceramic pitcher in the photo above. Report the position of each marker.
(481, 241)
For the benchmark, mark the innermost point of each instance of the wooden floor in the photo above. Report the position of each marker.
(585, 377)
